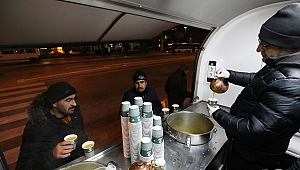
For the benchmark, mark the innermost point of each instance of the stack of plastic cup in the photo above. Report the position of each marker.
(147, 120)
(157, 121)
(139, 102)
(135, 133)
(125, 128)
(175, 108)
(158, 142)
(146, 153)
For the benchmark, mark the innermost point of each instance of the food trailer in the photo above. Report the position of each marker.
(230, 45)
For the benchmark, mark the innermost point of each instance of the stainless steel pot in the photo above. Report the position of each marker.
(189, 128)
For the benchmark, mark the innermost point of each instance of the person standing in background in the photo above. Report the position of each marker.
(176, 87)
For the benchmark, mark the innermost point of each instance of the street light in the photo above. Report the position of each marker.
(185, 28)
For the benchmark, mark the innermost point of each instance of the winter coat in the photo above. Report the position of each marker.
(296, 165)
(265, 114)
(42, 133)
(176, 88)
(148, 95)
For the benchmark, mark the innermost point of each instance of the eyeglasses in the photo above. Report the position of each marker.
(263, 45)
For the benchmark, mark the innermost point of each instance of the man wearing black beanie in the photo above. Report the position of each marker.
(52, 115)
(265, 115)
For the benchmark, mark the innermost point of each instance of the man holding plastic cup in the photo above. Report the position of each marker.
(53, 131)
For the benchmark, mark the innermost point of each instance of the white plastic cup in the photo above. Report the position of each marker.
(72, 138)
(146, 147)
(166, 112)
(147, 107)
(88, 148)
(157, 142)
(175, 108)
(160, 162)
(125, 136)
(134, 114)
(139, 102)
(146, 153)
(135, 133)
(147, 119)
(125, 108)
(157, 121)
(213, 102)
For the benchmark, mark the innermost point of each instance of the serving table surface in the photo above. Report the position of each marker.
(177, 155)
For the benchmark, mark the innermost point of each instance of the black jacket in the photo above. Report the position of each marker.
(296, 165)
(148, 95)
(176, 88)
(265, 114)
(42, 133)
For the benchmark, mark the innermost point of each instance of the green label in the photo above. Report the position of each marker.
(125, 113)
(213, 103)
(157, 140)
(146, 153)
(147, 114)
(134, 119)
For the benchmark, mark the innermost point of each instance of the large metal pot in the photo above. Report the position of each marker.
(189, 128)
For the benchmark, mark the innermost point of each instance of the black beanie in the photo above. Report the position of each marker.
(59, 91)
(183, 67)
(139, 75)
(283, 28)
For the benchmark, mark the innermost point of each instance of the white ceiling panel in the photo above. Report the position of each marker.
(50, 22)
(208, 12)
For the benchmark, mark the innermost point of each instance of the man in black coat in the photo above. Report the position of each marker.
(176, 87)
(295, 166)
(140, 89)
(265, 115)
(52, 115)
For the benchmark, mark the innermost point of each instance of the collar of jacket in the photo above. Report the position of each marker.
(289, 59)
(140, 93)
(39, 114)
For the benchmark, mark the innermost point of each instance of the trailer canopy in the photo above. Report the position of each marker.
(46, 22)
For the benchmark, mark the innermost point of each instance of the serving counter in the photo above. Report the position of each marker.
(178, 156)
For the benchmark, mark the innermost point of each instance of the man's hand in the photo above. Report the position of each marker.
(222, 73)
(63, 149)
(211, 110)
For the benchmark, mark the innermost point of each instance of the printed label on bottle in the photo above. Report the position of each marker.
(147, 114)
(146, 153)
(134, 119)
(125, 113)
(157, 140)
